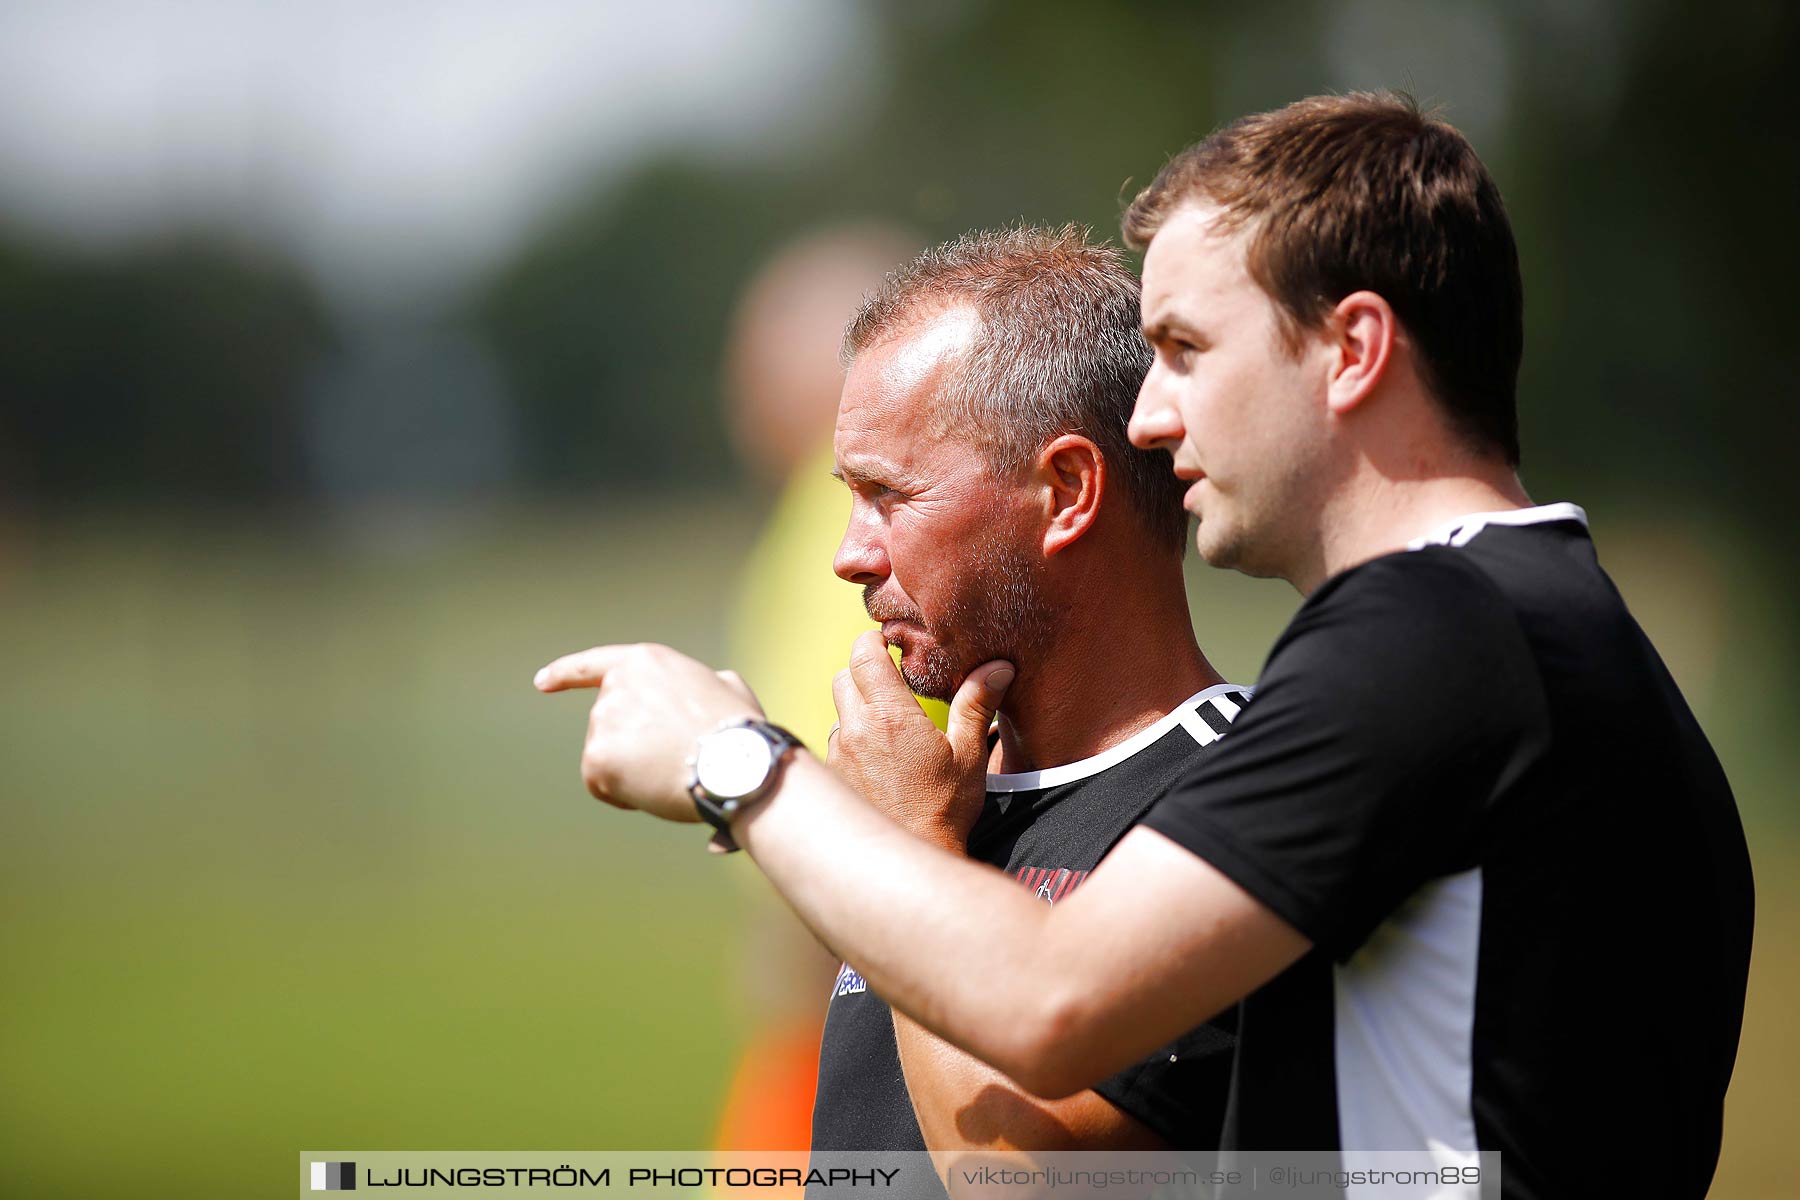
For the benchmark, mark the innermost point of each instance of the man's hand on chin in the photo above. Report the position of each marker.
(652, 709)
(886, 748)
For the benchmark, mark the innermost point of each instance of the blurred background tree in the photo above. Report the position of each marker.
(1638, 145)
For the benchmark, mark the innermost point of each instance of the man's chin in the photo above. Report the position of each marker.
(1229, 553)
(1217, 544)
(927, 672)
(929, 689)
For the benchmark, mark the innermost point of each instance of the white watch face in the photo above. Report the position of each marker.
(733, 762)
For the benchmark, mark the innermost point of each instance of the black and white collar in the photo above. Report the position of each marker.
(1186, 714)
(1463, 529)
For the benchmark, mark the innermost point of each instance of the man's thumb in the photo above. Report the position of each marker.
(972, 710)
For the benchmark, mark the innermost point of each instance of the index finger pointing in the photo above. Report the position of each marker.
(583, 669)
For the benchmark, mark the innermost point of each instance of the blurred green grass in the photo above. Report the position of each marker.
(292, 855)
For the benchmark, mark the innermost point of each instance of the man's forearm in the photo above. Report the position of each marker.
(903, 912)
(1055, 998)
(964, 1104)
(961, 1103)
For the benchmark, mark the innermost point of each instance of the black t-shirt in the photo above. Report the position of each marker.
(1047, 829)
(1469, 780)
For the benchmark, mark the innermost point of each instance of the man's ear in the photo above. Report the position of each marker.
(1363, 329)
(1073, 474)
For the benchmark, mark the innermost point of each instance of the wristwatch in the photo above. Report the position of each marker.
(734, 766)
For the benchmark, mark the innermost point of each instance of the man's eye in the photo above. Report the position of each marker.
(1182, 353)
(877, 493)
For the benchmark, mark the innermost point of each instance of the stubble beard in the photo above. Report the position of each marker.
(1001, 608)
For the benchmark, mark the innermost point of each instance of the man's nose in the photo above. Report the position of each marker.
(1155, 421)
(861, 558)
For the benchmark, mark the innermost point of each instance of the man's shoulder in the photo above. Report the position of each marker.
(1406, 643)
(1408, 577)
(1413, 604)
(1477, 569)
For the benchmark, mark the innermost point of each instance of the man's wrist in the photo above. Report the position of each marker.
(799, 770)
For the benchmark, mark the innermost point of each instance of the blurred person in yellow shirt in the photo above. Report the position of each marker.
(793, 622)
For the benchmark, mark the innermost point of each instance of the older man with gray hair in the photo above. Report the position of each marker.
(1000, 511)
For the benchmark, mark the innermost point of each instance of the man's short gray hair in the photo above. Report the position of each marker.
(1059, 350)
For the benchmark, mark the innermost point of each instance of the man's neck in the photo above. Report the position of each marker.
(1382, 516)
(1109, 676)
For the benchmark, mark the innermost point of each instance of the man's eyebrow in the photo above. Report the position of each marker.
(1165, 327)
(873, 473)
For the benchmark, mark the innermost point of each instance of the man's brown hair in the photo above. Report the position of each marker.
(1059, 350)
(1364, 191)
